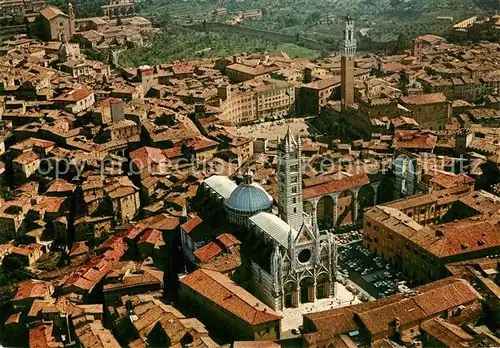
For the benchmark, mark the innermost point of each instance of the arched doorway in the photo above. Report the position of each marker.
(307, 290)
(289, 291)
(344, 208)
(324, 212)
(322, 286)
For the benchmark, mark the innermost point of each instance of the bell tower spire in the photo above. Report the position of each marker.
(290, 181)
(348, 51)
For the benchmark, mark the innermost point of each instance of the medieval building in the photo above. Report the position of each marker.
(348, 51)
(291, 262)
(54, 25)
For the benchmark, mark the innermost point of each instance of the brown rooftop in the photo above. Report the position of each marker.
(223, 292)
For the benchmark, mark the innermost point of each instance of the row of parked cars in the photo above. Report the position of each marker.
(373, 270)
(346, 239)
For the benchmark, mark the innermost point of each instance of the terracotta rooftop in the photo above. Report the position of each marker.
(191, 224)
(78, 248)
(413, 139)
(448, 334)
(75, 95)
(26, 158)
(378, 316)
(449, 180)
(228, 240)
(324, 83)
(50, 12)
(152, 236)
(344, 184)
(223, 292)
(94, 335)
(207, 252)
(13, 319)
(41, 337)
(420, 99)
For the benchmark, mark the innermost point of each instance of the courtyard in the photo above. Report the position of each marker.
(271, 130)
(292, 317)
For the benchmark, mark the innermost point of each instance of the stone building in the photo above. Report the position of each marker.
(219, 302)
(256, 100)
(315, 95)
(420, 235)
(429, 110)
(398, 318)
(291, 262)
(56, 24)
(20, 8)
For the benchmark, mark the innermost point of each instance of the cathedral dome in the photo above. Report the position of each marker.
(248, 198)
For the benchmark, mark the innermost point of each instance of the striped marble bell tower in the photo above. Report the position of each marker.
(290, 181)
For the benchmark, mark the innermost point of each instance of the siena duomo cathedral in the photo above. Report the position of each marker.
(291, 261)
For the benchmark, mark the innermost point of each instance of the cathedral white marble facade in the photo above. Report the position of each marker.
(292, 262)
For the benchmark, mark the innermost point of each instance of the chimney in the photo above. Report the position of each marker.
(439, 233)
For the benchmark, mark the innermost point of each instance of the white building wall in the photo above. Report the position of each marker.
(262, 282)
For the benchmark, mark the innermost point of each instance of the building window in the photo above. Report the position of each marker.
(294, 189)
(304, 256)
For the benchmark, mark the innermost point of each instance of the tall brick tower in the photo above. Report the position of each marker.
(348, 51)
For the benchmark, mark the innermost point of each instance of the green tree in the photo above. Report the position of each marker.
(13, 270)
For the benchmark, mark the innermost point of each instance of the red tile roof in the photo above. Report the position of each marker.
(420, 99)
(89, 274)
(78, 248)
(207, 252)
(32, 142)
(151, 236)
(228, 240)
(13, 319)
(33, 289)
(448, 180)
(41, 337)
(410, 139)
(223, 292)
(26, 158)
(378, 316)
(189, 225)
(75, 95)
(146, 155)
(61, 185)
(336, 186)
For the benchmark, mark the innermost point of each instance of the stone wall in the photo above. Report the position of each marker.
(265, 34)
